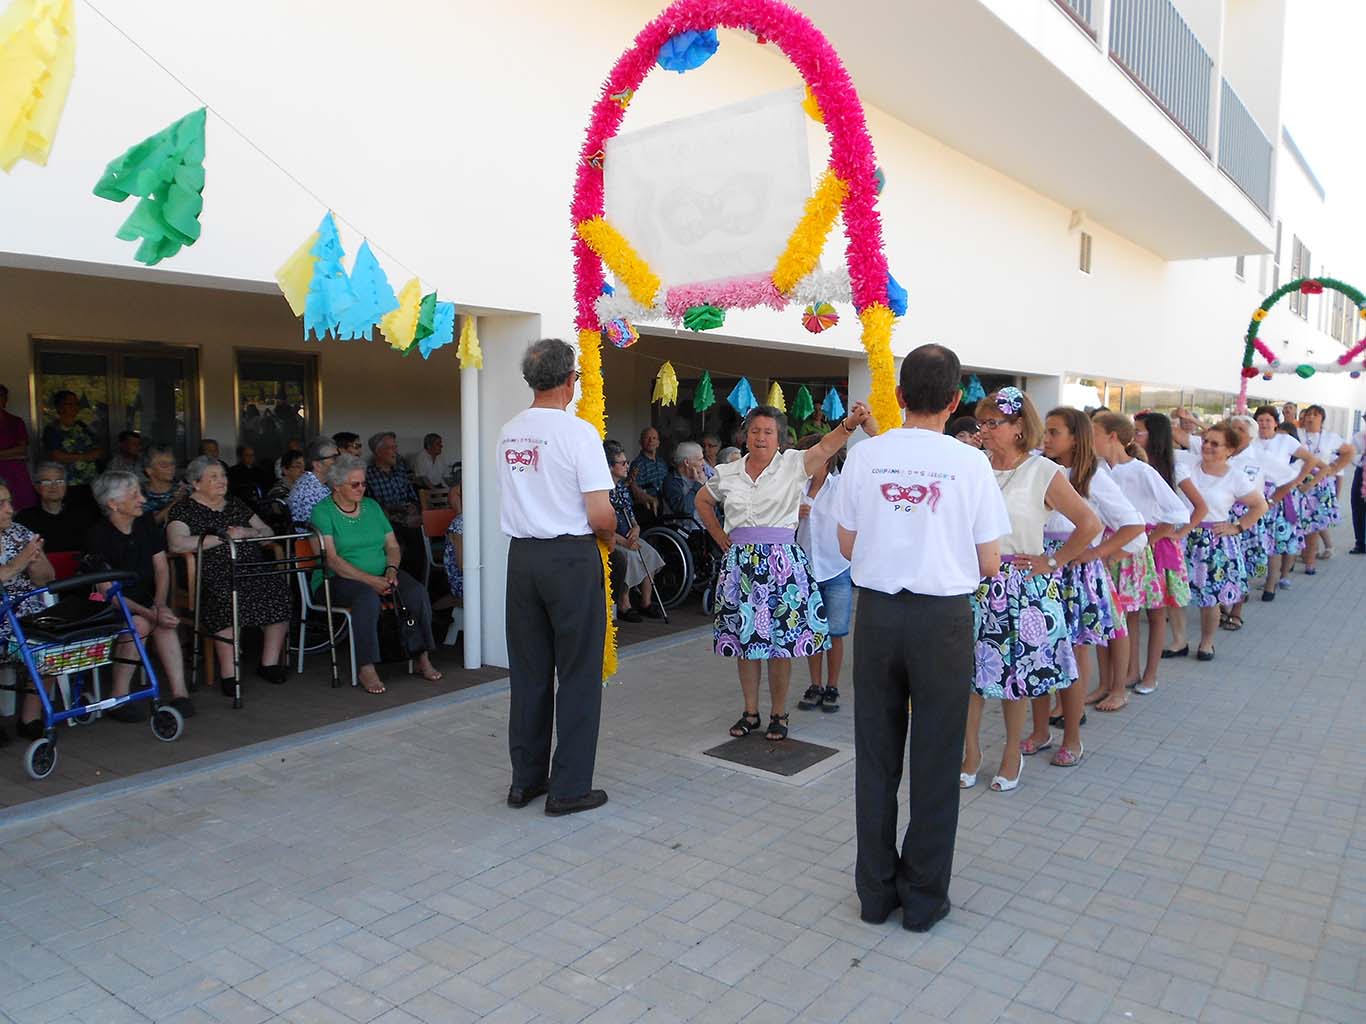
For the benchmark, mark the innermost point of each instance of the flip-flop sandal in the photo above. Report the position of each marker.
(1029, 748)
(1235, 623)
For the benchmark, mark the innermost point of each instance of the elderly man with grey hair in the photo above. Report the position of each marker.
(685, 479)
(555, 490)
(389, 481)
(310, 489)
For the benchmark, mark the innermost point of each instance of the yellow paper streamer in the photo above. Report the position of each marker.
(37, 61)
(400, 326)
(666, 386)
(804, 247)
(877, 322)
(775, 397)
(295, 275)
(812, 108)
(612, 248)
(593, 408)
(467, 350)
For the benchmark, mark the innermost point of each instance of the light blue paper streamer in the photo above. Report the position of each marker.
(373, 294)
(741, 397)
(443, 329)
(832, 406)
(896, 296)
(329, 293)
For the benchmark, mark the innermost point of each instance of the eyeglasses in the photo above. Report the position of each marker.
(50, 483)
(621, 462)
(1207, 443)
(354, 483)
(991, 424)
(328, 458)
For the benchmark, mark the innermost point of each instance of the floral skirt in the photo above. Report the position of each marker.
(1321, 506)
(1284, 523)
(1256, 557)
(768, 604)
(1024, 648)
(1156, 577)
(1218, 573)
(1088, 602)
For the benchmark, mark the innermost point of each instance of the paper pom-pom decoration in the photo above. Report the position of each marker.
(704, 318)
(621, 333)
(775, 397)
(802, 406)
(896, 296)
(703, 396)
(666, 386)
(819, 316)
(1362, 312)
(1266, 376)
(1259, 315)
(688, 50)
(607, 288)
(1355, 374)
(37, 60)
(469, 353)
(833, 407)
(167, 171)
(374, 297)
(400, 326)
(812, 107)
(741, 397)
(1249, 372)
(1311, 287)
(1304, 370)
(880, 176)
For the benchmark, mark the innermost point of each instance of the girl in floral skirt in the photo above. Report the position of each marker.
(1214, 556)
(1024, 648)
(1286, 463)
(1087, 590)
(1153, 579)
(1321, 506)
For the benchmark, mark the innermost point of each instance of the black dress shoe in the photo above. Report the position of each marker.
(652, 611)
(1204, 655)
(184, 705)
(31, 730)
(1177, 654)
(228, 686)
(592, 799)
(1358, 550)
(877, 914)
(925, 924)
(629, 615)
(519, 797)
(276, 674)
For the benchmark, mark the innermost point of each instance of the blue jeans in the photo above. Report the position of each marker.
(838, 593)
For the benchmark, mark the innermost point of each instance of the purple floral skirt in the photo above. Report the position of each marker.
(1088, 601)
(1321, 506)
(767, 603)
(1024, 648)
(1285, 522)
(1218, 572)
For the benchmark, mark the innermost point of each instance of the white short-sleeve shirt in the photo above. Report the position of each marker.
(1247, 463)
(547, 461)
(1155, 502)
(1024, 489)
(1324, 446)
(818, 533)
(920, 502)
(1220, 492)
(771, 500)
(1276, 454)
(1114, 510)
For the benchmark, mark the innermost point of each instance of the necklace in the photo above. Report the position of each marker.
(346, 511)
(1009, 474)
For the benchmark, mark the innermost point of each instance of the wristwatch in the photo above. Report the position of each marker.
(1052, 563)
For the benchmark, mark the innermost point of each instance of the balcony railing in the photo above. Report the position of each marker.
(1082, 12)
(1152, 42)
(1245, 153)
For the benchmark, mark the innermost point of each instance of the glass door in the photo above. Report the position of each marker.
(155, 392)
(61, 375)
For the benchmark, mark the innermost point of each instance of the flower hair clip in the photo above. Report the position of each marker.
(1010, 400)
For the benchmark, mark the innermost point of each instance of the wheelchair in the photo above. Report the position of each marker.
(691, 561)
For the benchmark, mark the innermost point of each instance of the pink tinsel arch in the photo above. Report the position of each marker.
(851, 150)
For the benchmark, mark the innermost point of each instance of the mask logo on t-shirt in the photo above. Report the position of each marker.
(521, 461)
(906, 498)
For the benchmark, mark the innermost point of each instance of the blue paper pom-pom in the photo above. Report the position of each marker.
(896, 296)
(688, 50)
(880, 176)
(607, 289)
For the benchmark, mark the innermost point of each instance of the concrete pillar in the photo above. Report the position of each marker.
(1045, 391)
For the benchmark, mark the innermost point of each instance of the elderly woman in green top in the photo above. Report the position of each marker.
(362, 557)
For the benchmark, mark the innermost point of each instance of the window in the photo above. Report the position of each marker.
(147, 388)
(1085, 262)
(1240, 268)
(1299, 267)
(1276, 260)
(276, 401)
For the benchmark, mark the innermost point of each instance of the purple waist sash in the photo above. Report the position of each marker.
(1292, 513)
(762, 535)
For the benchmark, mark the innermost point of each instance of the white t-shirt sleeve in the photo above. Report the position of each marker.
(991, 520)
(590, 462)
(1115, 510)
(846, 508)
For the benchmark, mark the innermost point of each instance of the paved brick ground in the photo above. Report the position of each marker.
(1206, 862)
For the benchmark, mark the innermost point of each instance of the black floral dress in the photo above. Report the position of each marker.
(13, 541)
(261, 600)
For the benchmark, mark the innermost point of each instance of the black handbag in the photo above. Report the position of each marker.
(399, 636)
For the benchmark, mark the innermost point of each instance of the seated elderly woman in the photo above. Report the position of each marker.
(634, 562)
(262, 601)
(61, 523)
(23, 566)
(160, 489)
(362, 557)
(130, 541)
(455, 544)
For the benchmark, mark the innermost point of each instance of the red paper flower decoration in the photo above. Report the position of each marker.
(1311, 287)
(1249, 372)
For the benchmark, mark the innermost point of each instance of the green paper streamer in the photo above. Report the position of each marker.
(703, 397)
(802, 406)
(426, 318)
(703, 318)
(1304, 370)
(167, 171)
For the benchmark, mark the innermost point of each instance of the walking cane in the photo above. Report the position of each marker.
(653, 589)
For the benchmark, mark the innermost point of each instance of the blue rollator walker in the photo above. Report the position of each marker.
(74, 637)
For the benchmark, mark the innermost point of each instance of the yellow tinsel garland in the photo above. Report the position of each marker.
(878, 321)
(593, 409)
(804, 247)
(621, 258)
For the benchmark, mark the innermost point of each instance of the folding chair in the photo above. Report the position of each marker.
(308, 558)
(435, 523)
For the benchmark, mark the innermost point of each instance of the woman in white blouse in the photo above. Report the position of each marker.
(1214, 556)
(768, 608)
(1087, 590)
(1321, 509)
(1253, 540)
(1287, 466)
(1024, 648)
(1152, 581)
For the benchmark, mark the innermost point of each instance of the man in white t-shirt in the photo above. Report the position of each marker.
(555, 497)
(430, 466)
(920, 518)
(1358, 494)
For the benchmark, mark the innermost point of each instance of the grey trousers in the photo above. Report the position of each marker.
(916, 648)
(556, 624)
(363, 603)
